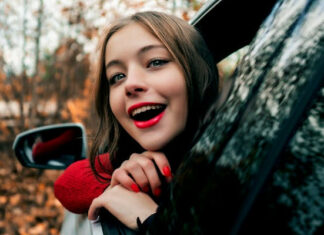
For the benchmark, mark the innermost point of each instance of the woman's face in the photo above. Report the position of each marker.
(148, 94)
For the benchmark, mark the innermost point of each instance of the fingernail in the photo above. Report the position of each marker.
(157, 192)
(146, 189)
(166, 171)
(135, 188)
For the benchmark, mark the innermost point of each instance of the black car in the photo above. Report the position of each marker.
(258, 167)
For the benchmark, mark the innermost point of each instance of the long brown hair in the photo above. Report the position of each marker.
(188, 49)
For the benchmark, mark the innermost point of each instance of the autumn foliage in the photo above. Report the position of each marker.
(27, 202)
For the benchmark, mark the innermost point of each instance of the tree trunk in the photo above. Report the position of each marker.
(34, 84)
(24, 76)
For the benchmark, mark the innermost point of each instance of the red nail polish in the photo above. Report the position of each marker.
(166, 171)
(135, 188)
(157, 192)
(146, 189)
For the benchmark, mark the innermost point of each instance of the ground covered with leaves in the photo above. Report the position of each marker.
(27, 202)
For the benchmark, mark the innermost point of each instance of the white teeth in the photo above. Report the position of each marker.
(144, 109)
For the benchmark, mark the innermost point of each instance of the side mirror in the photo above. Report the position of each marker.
(51, 147)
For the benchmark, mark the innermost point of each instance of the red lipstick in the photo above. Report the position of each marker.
(149, 123)
(146, 123)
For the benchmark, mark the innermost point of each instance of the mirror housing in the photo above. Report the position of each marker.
(51, 147)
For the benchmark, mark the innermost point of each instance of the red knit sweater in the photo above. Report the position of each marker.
(77, 186)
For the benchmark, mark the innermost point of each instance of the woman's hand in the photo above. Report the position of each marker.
(140, 174)
(124, 204)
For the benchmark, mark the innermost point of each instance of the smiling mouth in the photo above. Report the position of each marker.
(147, 112)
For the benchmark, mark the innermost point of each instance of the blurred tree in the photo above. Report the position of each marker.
(34, 84)
(48, 49)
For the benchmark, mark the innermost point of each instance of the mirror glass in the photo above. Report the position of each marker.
(51, 147)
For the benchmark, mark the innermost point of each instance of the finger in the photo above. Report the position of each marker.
(151, 173)
(136, 171)
(146, 161)
(121, 176)
(162, 163)
(94, 209)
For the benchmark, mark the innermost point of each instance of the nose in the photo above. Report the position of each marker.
(135, 83)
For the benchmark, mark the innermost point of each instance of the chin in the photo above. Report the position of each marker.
(152, 146)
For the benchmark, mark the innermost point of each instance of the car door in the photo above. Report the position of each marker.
(258, 166)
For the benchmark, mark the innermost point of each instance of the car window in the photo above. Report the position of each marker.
(268, 111)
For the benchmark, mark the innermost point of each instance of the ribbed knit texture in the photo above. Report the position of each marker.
(77, 186)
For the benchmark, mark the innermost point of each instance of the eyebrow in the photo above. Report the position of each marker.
(141, 51)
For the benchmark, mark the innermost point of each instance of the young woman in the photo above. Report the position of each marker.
(156, 81)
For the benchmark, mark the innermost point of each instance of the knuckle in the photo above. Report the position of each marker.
(117, 173)
(132, 165)
(124, 163)
(129, 165)
(147, 163)
(159, 156)
(96, 201)
(133, 156)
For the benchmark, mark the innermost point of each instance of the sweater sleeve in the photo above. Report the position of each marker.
(77, 186)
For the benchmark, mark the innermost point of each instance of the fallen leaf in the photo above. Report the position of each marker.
(14, 200)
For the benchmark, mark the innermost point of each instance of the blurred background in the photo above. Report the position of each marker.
(47, 55)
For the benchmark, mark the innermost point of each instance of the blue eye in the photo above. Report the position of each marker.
(157, 63)
(115, 78)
